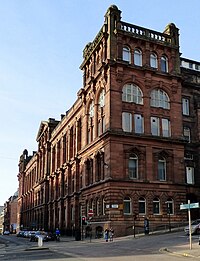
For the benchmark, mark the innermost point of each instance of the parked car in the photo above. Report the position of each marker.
(20, 233)
(6, 232)
(195, 227)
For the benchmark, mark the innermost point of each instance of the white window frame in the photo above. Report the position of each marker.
(186, 106)
(127, 121)
(137, 57)
(142, 201)
(162, 169)
(153, 60)
(190, 175)
(155, 126)
(159, 98)
(132, 93)
(156, 202)
(126, 54)
(138, 123)
(166, 128)
(164, 64)
(133, 173)
(127, 200)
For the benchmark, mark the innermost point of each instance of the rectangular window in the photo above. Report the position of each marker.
(185, 106)
(166, 128)
(127, 121)
(190, 175)
(156, 207)
(127, 208)
(155, 127)
(161, 170)
(142, 210)
(132, 168)
(139, 123)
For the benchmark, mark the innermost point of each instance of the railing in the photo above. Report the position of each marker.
(145, 33)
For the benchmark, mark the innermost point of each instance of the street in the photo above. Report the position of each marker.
(143, 248)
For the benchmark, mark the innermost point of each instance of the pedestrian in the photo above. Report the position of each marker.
(111, 234)
(57, 234)
(106, 234)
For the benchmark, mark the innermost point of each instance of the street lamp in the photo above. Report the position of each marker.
(168, 211)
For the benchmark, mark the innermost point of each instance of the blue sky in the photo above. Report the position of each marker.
(41, 44)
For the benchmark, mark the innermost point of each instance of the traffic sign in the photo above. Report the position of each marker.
(90, 212)
(189, 206)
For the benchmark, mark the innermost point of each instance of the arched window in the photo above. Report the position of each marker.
(142, 206)
(162, 169)
(153, 60)
(133, 167)
(101, 101)
(159, 98)
(127, 206)
(132, 93)
(91, 109)
(138, 57)
(170, 206)
(156, 206)
(101, 113)
(90, 123)
(126, 56)
(164, 64)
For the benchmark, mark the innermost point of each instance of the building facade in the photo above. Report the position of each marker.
(128, 148)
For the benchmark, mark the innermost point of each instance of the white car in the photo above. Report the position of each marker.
(195, 227)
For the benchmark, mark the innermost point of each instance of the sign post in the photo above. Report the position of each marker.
(90, 215)
(188, 207)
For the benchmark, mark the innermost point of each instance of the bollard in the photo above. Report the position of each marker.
(40, 241)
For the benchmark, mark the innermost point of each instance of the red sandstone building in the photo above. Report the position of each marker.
(128, 147)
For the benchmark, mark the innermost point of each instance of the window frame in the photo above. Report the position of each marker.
(187, 130)
(138, 123)
(126, 54)
(133, 171)
(156, 204)
(127, 205)
(160, 99)
(142, 202)
(137, 57)
(155, 128)
(127, 124)
(153, 61)
(162, 169)
(132, 93)
(164, 64)
(190, 175)
(186, 106)
(166, 127)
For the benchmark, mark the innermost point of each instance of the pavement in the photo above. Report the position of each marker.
(180, 250)
(185, 250)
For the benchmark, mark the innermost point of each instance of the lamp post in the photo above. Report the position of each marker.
(168, 212)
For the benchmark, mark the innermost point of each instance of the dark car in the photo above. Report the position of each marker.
(20, 234)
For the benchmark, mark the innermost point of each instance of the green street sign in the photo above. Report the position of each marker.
(189, 206)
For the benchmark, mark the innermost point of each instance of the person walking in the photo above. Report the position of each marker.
(57, 234)
(106, 234)
(111, 234)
